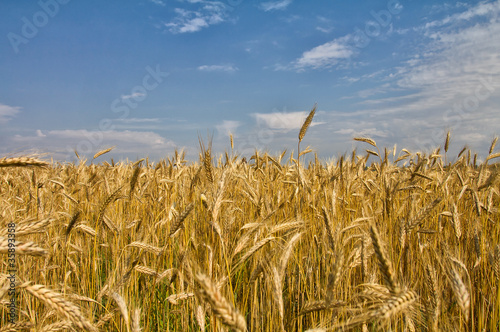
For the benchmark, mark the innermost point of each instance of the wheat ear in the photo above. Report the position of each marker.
(108, 200)
(435, 300)
(133, 180)
(72, 222)
(58, 326)
(384, 263)
(220, 306)
(366, 140)
(123, 308)
(180, 219)
(21, 248)
(100, 153)
(395, 305)
(21, 162)
(20, 326)
(27, 228)
(56, 301)
(306, 123)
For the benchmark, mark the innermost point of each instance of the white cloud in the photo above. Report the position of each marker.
(452, 83)
(226, 68)
(363, 132)
(208, 13)
(134, 95)
(384, 88)
(350, 79)
(325, 55)
(7, 112)
(325, 30)
(482, 9)
(228, 127)
(279, 120)
(137, 120)
(275, 5)
(143, 138)
(61, 143)
(158, 2)
(284, 121)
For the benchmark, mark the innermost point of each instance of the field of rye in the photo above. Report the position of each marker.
(409, 242)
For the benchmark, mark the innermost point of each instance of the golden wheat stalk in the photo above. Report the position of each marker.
(146, 270)
(106, 318)
(435, 300)
(111, 198)
(307, 123)
(175, 298)
(136, 320)
(58, 326)
(395, 305)
(27, 228)
(418, 218)
(56, 301)
(86, 229)
(447, 141)
(21, 248)
(200, 317)
(123, 308)
(320, 306)
(328, 226)
(21, 162)
(180, 219)
(460, 290)
(366, 140)
(16, 327)
(72, 222)
(493, 144)
(145, 246)
(133, 180)
(100, 153)
(253, 250)
(384, 263)
(220, 306)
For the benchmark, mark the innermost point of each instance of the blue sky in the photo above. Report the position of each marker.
(150, 76)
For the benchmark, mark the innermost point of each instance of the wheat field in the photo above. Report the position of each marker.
(409, 242)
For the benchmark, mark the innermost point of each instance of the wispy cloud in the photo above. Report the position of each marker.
(61, 143)
(325, 55)
(275, 5)
(158, 2)
(482, 9)
(451, 83)
(225, 68)
(325, 30)
(228, 127)
(208, 13)
(138, 120)
(282, 121)
(7, 112)
(384, 88)
(132, 95)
